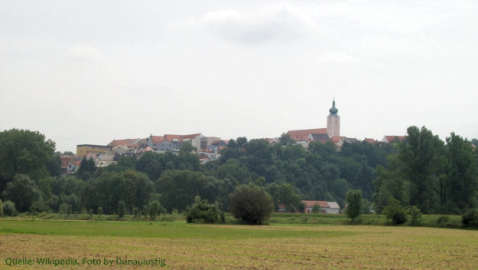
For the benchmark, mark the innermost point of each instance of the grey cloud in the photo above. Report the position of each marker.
(272, 23)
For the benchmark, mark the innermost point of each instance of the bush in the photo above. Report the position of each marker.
(470, 218)
(443, 219)
(316, 209)
(9, 209)
(251, 204)
(100, 211)
(136, 212)
(415, 215)
(1, 208)
(202, 212)
(154, 209)
(354, 207)
(395, 212)
(121, 208)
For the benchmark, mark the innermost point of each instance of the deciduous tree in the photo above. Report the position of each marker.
(251, 204)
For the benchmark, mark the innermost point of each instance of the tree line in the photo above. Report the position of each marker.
(435, 176)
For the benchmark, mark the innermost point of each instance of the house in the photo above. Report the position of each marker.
(340, 140)
(173, 142)
(310, 204)
(333, 208)
(217, 145)
(319, 137)
(325, 207)
(370, 140)
(305, 135)
(104, 160)
(128, 145)
(83, 150)
(69, 164)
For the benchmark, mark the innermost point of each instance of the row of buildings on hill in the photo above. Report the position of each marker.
(208, 148)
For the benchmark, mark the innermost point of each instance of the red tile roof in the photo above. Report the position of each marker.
(172, 137)
(122, 142)
(310, 204)
(392, 138)
(303, 134)
(157, 139)
(337, 139)
(369, 140)
(190, 136)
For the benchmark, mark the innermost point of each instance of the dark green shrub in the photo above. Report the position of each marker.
(470, 218)
(121, 208)
(154, 209)
(415, 215)
(9, 209)
(202, 212)
(395, 212)
(443, 220)
(100, 211)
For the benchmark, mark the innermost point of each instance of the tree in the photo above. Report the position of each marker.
(285, 139)
(23, 152)
(179, 188)
(23, 192)
(414, 174)
(354, 201)
(422, 156)
(251, 204)
(462, 174)
(121, 208)
(284, 194)
(316, 209)
(154, 209)
(53, 166)
(87, 168)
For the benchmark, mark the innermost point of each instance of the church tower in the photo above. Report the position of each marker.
(333, 122)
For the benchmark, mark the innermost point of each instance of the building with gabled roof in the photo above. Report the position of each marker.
(370, 140)
(389, 139)
(85, 149)
(304, 134)
(325, 207)
(173, 142)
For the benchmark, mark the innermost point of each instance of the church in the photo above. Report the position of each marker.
(330, 133)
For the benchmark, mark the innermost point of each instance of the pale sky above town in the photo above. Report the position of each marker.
(88, 72)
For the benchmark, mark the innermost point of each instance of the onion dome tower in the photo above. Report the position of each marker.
(333, 122)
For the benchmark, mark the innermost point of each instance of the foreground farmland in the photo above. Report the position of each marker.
(186, 246)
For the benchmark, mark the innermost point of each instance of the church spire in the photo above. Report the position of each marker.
(333, 110)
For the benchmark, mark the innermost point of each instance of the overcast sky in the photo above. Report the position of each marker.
(88, 72)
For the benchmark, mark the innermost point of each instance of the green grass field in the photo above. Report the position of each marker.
(276, 246)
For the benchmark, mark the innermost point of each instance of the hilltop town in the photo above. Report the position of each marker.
(206, 147)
